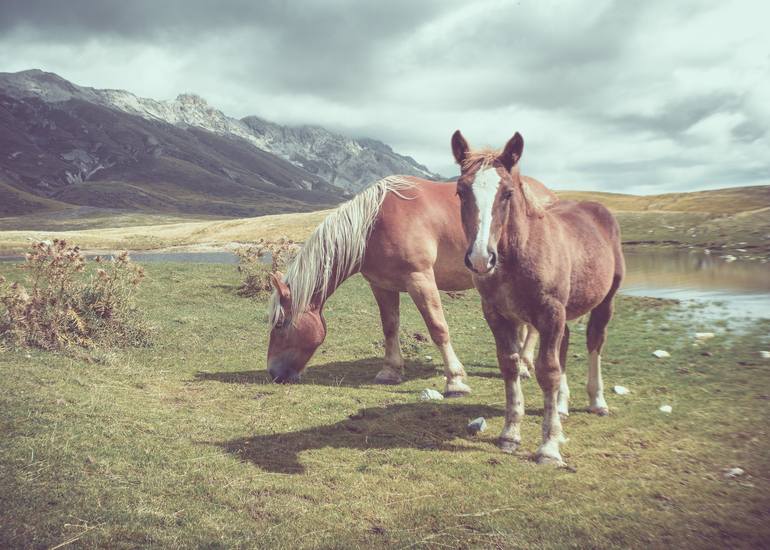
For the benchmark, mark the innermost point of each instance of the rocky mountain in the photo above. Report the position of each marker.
(86, 146)
(342, 161)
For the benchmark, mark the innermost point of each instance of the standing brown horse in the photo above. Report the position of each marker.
(404, 235)
(542, 266)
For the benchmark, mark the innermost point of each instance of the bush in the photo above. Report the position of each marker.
(252, 263)
(61, 304)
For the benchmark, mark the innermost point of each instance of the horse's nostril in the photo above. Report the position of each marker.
(468, 263)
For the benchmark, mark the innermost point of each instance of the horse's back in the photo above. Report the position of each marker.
(418, 230)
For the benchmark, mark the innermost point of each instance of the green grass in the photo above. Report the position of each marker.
(185, 444)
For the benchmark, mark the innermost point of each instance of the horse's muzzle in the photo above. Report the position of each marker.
(281, 375)
(481, 265)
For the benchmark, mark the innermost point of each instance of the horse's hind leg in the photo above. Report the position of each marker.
(422, 289)
(563, 401)
(595, 337)
(527, 340)
(388, 302)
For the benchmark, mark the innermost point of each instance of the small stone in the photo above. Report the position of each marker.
(707, 354)
(731, 473)
(704, 335)
(665, 409)
(428, 358)
(661, 353)
(764, 354)
(729, 258)
(621, 390)
(430, 395)
(28, 356)
(477, 425)
(707, 252)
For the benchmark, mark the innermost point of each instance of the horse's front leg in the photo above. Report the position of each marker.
(551, 323)
(422, 289)
(507, 340)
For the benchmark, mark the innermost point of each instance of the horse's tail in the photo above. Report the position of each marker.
(335, 249)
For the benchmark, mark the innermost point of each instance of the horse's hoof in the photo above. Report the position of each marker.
(524, 374)
(508, 446)
(547, 460)
(456, 388)
(599, 411)
(388, 378)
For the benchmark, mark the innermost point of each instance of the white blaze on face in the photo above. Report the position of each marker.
(484, 189)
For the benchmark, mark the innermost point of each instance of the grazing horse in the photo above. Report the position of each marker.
(403, 234)
(541, 266)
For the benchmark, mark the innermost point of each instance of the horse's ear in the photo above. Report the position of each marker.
(284, 294)
(512, 151)
(460, 147)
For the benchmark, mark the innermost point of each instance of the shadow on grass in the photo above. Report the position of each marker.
(351, 374)
(425, 426)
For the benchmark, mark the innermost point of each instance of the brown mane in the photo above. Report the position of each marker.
(482, 158)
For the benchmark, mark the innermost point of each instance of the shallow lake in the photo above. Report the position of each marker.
(743, 286)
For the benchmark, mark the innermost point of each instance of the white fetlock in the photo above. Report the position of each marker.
(388, 375)
(456, 388)
(524, 373)
(548, 453)
(599, 407)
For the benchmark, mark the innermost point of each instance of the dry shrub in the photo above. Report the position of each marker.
(252, 263)
(61, 304)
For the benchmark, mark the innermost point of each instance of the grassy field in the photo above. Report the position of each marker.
(735, 221)
(186, 444)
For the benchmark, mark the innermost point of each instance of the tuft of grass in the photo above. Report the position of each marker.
(188, 444)
(58, 306)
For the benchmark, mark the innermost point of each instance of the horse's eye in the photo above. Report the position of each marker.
(507, 195)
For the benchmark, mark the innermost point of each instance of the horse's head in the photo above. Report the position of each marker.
(294, 337)
(485, 187)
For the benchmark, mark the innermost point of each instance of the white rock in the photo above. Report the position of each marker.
(430, 395)
(621, 390)
(661, 353)
(665, 409)
(428, 358)
(734, 472)
(729, 258)
(704, 335)
(477, 425)
(741, 250)
(707, 252)
(764, 354)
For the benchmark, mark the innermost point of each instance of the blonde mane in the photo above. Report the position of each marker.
(335, 249)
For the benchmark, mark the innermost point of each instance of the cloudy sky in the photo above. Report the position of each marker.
(624, 96)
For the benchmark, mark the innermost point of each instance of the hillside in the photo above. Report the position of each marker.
(81, 146)
(743, 224)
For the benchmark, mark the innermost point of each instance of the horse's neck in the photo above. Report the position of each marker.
(335, 280)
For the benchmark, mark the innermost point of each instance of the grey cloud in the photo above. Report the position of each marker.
(676, 117)
(411, 72)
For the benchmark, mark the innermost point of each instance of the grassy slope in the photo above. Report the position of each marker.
(708, 219)
(184, 444)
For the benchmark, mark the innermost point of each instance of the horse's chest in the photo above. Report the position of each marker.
(508, 300)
